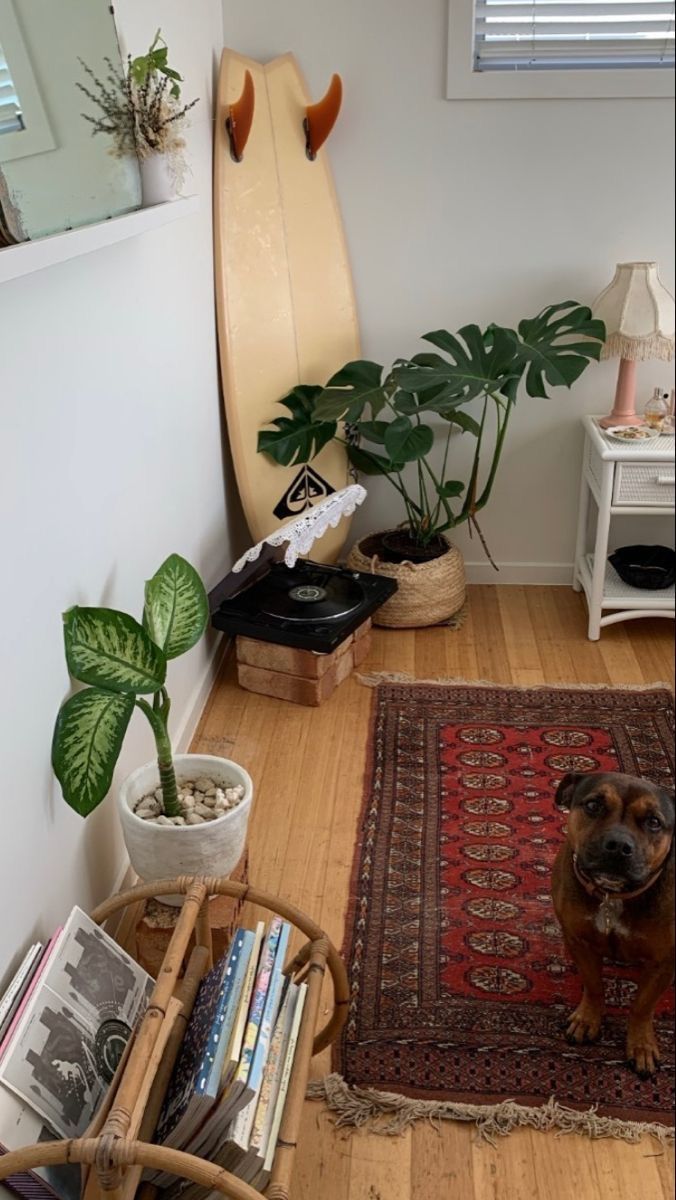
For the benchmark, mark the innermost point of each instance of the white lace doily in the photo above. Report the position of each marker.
(303, 531)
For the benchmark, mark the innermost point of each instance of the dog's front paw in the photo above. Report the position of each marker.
(585, 1023)
(643, 1053)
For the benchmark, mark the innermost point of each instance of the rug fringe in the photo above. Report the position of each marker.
(373, 679)
(391, 1114)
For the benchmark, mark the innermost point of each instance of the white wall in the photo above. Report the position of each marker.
(111, 459)
(459, 212)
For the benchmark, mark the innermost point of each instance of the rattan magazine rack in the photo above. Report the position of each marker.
(118, 1144)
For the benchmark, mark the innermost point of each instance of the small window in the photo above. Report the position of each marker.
(24, 128)
(10, 109)
(560, 48)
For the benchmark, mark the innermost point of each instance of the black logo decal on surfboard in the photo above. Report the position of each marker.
(306, 489)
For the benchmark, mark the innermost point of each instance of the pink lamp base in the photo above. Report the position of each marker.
(624, 411)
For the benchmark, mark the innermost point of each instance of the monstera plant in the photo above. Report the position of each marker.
(387, 419)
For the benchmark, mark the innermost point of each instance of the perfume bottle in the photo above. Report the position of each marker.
(656, 411)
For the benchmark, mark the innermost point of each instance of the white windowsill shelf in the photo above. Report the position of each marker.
(27, 257)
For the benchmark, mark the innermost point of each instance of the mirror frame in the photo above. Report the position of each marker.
(37, 136)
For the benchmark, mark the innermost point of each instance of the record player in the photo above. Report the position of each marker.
(273, 595)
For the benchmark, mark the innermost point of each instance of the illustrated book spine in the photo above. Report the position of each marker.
(262, 1179)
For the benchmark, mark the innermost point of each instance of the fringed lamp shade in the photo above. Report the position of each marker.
(639, 316)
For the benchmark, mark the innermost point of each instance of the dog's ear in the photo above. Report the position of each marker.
(566, 789)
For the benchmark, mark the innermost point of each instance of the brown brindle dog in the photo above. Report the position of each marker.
(613, 892)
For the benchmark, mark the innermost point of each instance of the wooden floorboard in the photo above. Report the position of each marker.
(308, 769)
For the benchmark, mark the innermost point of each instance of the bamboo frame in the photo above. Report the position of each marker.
(118, 1146)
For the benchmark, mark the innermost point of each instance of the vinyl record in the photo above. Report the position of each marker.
(310, 597)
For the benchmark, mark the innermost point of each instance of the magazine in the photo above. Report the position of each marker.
(71, 1036)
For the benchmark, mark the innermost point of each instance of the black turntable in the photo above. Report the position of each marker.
(310, 605)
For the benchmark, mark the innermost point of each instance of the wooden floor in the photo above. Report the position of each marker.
(307, 766)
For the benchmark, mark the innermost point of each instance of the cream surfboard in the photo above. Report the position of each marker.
(285, 302)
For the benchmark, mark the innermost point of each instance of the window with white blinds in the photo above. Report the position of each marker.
(10, 109)
(545, 35)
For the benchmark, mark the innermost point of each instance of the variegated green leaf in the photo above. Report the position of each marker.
(176, 608)
(87, 740)
(109, 649)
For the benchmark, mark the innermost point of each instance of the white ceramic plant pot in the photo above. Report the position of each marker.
(158, 181)
(164, 851)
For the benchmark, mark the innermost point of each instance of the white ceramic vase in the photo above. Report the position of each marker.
(158, 181)
(165, 851)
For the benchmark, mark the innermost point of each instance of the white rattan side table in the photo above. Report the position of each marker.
(623, 479)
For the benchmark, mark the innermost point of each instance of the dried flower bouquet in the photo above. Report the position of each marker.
(140, 109)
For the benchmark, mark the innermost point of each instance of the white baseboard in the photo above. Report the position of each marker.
(200, 694)
(525, 573)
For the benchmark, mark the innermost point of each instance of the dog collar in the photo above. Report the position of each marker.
(592, 889)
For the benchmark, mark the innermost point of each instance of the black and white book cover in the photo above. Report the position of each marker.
(71, 1037)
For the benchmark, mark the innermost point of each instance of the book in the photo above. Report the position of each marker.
(17, 986)
(261, 1015)
(229, 1143)
(265, 1105)
(234, 1050)
(261, 1180)
(249, 1095)
(189, 1089)
(176, 1118)
(209, 1085)
(234, 1047)
(5, 1041)
(63, 1051)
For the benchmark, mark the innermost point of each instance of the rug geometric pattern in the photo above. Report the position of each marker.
(460, 983)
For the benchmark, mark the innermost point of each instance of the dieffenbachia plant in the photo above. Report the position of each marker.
(124, 664)
(386, 414)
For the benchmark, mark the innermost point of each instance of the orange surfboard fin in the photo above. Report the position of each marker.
(239, 118)
(321, 117)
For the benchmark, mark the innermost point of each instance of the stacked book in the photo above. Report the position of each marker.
(227, 1094)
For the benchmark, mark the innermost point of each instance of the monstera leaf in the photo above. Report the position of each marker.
(406, 442)
(463, 421)
(373, 431)
(298, 438)
(349, 391)
(372, 464)
(87, 740)
(552, 345)
(110, 650)
(479, 363)
(176, 607)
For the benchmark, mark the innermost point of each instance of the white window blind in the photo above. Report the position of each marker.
(10, 109)
(543, 35)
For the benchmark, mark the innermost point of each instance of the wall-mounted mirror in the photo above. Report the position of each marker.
(54, 174)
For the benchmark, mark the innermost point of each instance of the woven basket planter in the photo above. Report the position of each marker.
(427, 592)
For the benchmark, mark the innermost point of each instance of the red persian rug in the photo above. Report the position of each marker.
(460, 983)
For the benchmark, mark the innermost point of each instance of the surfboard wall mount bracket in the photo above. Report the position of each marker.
(321, 117)
(239, 119)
